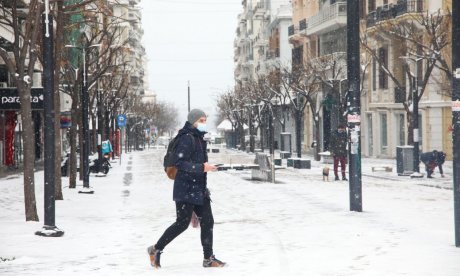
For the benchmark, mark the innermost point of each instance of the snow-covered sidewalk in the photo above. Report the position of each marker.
(299, 226)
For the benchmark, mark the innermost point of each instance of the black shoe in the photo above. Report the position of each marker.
(213, 262)
(429, 176)
(344, 178)
(154, 256)
(337, 178)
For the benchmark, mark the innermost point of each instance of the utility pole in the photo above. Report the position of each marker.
(415, 120)
(85, 125)
(298, 126)
(49, 228)
(99, 126)
(354, 105)
(188, 90)
(456, 115)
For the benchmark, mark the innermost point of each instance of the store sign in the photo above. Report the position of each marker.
(9, 98)
(66, 119)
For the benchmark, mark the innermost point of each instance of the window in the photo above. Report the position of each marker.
(401, 129)
(370, 136)
(383, 133)
(374, 75)
(383, 59)
(371, 5)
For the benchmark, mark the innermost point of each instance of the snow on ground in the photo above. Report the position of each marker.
(298, 226)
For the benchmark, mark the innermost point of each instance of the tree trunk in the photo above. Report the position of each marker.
(317, 138)
(73, 144)
(94, 132)
(283, 129)
(242, 140)
(298, 128)
(81, 145)
(261, 130)
(57, 103)
(29, 152)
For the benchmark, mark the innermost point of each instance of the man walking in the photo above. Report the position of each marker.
(190, 192)
(339, 151)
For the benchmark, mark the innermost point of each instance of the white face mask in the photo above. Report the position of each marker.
(201, 127)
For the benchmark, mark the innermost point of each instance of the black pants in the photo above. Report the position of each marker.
(184, 214)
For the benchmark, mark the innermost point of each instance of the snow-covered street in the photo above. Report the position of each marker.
(298, 226)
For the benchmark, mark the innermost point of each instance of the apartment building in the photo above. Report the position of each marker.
(384, 118)
(261, 44)
(128, 18)
(318, 38)
(261, 38)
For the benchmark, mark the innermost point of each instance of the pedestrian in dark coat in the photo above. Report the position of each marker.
(190, 192)
(339, 151)
(432, 160)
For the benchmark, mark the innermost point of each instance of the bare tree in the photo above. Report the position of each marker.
(307, 85)
(26, 30)
(226, 106)
(423, 37)
(280, 104)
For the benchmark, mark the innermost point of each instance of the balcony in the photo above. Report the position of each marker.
(330, 62)
(392, 11)
(303, 24)
(328, 19)
(259, 9)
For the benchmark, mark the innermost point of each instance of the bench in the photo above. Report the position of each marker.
(299, 163)
(264, 170)
(382, 168)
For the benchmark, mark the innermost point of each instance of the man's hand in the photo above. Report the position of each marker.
(209, 168)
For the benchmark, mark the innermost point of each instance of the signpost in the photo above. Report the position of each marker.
(121, 122)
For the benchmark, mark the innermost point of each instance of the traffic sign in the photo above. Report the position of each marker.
(121, 120)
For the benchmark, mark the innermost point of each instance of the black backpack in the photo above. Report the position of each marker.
(168, 160)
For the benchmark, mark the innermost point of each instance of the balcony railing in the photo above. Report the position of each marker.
(328, 13)
(390, 11)
(259, 7)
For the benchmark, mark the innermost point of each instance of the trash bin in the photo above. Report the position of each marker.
(405, 160)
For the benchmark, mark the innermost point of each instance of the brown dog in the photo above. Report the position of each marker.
(326, 173)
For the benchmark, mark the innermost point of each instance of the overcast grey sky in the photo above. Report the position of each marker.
(190, 40)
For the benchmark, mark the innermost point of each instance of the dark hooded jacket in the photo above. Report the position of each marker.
(338, 146)
(190, 155)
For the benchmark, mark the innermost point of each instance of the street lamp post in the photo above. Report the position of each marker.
(456, 115)
(85, 123)
(49, 229)
(416, 135)
(354, 105)
(99, 126)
